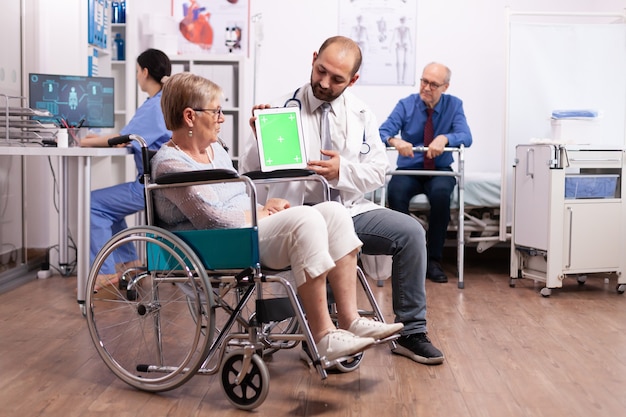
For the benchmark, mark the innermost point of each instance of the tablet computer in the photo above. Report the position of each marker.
(279, 138)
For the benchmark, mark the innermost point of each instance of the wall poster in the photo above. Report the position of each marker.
(212, 26)
(385, 30)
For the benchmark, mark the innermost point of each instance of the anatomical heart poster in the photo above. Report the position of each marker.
(212, 26)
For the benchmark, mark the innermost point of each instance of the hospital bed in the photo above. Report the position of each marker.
(481, 209)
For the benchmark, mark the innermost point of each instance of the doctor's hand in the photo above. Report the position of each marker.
(253, 117)
(403, 147)
(328, 169)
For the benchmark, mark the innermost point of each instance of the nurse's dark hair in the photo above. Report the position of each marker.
(157, 63)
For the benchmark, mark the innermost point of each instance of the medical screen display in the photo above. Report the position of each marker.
(73, 100)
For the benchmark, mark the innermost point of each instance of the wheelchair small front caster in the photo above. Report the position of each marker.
(245, 381)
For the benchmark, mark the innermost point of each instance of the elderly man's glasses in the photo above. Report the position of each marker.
(216, 112)
(432, 85)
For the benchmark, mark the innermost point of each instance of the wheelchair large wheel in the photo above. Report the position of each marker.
(142, 327)
(246, 383)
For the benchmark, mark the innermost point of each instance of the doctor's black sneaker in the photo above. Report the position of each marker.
(417, 346)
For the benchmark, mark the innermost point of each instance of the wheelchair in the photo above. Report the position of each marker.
(199, 302)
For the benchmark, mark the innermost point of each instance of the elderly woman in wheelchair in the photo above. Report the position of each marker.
(197, 301)
(317, 242)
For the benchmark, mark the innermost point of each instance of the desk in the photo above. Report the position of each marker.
(83, 175)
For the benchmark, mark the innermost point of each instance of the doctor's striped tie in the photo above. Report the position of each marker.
(326, 142)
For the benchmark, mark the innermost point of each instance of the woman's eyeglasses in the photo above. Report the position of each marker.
(216, 112)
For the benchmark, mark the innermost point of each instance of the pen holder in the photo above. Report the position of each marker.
(75, 135)
(70, 137)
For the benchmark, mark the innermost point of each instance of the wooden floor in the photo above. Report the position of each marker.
(509, 353)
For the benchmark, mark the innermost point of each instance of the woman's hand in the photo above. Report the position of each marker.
(272, 206)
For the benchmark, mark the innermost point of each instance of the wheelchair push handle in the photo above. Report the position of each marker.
(122, 139)
(119, 140)
(145, 152)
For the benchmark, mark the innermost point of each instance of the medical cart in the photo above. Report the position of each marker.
(569, 217)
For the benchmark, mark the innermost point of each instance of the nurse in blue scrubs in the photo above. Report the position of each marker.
(111, 205)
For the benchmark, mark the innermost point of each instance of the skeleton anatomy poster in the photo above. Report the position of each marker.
(385, 31)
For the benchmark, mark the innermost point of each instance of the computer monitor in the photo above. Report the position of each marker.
(78, 100)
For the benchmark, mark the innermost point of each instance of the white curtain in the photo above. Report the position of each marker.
(564, 66)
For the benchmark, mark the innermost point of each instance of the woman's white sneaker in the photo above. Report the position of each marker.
(338, 343)
(363, 327)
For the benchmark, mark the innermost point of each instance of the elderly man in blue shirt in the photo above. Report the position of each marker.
(447, 127)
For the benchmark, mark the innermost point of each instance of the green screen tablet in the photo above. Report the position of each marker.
(279, 137)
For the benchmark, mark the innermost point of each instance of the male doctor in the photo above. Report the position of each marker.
(355, 163)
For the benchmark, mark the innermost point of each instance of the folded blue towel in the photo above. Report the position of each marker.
(569, 114)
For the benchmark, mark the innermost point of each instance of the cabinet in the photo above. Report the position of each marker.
(103, 61)
(119, 74)
(569, 217)
(227, 72)
(124, 71)
(125, 86)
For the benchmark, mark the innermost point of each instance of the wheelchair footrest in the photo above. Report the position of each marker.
(391, 338)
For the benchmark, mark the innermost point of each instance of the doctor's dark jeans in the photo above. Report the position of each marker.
(388, 232)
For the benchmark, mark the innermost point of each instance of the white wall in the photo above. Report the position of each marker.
(10, 168)
(55, 41)
(10, 65)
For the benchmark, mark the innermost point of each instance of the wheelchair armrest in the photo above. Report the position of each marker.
(196, 176)
(281, 173)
